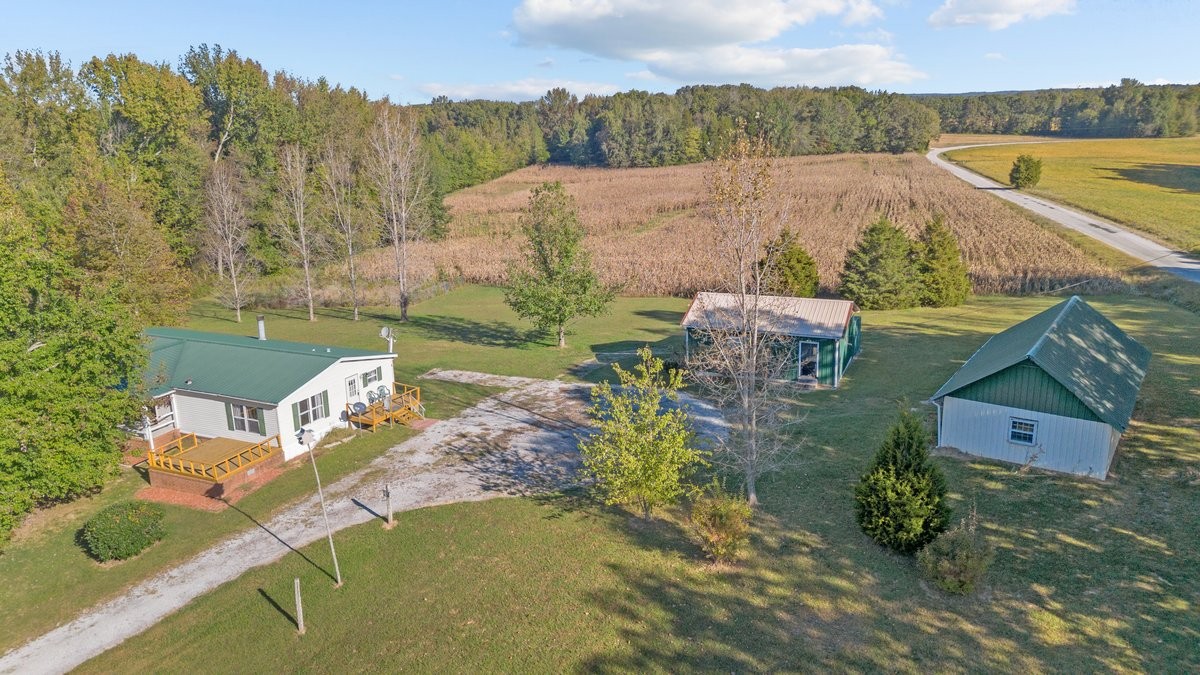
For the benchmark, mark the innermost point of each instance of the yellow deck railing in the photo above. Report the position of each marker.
(173, 458)
(403, 405)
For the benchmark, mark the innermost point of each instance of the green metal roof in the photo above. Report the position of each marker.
(234, 366)
(1078, 347)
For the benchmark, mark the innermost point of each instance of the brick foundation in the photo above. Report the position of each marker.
(207, 488)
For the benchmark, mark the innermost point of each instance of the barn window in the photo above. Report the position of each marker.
(1022, 431)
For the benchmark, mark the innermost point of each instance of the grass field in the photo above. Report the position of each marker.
(48, 578)
(1151, 185)
(1089, 576)
(950, 140)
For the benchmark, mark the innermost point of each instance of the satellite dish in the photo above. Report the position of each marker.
(385, 332)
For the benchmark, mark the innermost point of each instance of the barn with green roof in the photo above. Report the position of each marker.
(1055, 391)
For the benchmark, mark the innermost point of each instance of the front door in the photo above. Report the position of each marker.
(809, 356)
(352, 389)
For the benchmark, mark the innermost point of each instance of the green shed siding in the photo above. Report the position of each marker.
(788, 348)
(1028, 387)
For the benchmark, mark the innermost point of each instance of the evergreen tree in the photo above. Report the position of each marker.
(789, 269)
(879, 273)
(944, 279)
(1026, 172)
(901, 500)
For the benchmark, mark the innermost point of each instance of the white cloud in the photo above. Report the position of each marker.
(546, 63)
(526, 89)
(714, 41)
(642, 75)
(994, 56)
(996, 14)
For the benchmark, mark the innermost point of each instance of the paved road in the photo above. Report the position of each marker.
(1102, 230)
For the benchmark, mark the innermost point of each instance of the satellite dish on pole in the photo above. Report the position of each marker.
(385, 332)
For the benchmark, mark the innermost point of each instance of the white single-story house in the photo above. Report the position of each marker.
(1055, 391)
(817, 338)
(252, 389)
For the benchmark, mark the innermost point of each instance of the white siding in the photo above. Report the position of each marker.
(1063, 443)
(332, 380)
(204, 415)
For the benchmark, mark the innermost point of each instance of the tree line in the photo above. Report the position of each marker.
(1130, 109)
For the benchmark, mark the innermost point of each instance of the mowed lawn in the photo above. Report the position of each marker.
(1089, 576)
(48, 579)
(1151, 185)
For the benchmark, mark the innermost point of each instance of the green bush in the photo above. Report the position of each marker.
(123, 530)
(959, 558)
(721, 522)
(788, 268)
(901, 500)
(1026, 172)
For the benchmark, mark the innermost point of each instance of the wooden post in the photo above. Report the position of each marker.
(299, 609)
(387, 490)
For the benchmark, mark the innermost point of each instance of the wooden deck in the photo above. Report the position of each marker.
(213, 459)
(402, 405)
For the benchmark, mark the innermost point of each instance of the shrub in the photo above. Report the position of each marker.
(721, 522)
(791, 270)
(901, 500)
(1026, 172)
(123, 530)
(880, 272)
(959, 558)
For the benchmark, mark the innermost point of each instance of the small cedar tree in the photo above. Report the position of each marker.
(788, 268)
(555, 282)
(1026, 172)
(901, 500)
(879, 273)
(944, 278)
(643, 451)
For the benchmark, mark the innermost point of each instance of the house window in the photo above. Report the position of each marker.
(245, 418)
(312, 409)
(1022, 431)
(372, 376)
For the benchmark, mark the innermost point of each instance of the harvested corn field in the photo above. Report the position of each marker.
(648, 232)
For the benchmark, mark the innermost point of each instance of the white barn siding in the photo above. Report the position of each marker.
(204, 416)
(331, 380)
(1063, 444)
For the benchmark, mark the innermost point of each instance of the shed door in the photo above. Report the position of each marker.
(809, 358)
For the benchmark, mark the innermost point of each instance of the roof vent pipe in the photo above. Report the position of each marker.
(262, 327)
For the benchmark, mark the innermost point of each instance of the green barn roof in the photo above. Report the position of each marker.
(235, 366)
(1078, 347)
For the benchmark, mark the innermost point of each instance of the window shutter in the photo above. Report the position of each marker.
(325, 402)
(379, 373)
(262, 422)
(229, 415)
(296, 416)
(364, 380)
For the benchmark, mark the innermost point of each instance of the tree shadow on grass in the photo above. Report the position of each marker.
(1184, 178)
(665, 315)
(468, 331)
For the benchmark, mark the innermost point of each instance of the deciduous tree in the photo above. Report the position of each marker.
(293, 226)
(643, 451)
(340, 182)
(554, 284)
(399, 171)
(1026, 172)
(227, 232)
(741, 365)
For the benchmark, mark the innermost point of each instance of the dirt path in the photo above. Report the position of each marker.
(1114, 235)
(517, 442)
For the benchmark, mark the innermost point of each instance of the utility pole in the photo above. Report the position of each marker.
(306, 437)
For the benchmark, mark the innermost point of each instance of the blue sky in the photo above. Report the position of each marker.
(412, 50)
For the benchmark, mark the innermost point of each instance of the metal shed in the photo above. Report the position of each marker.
(1055, 391)
(822, 337)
